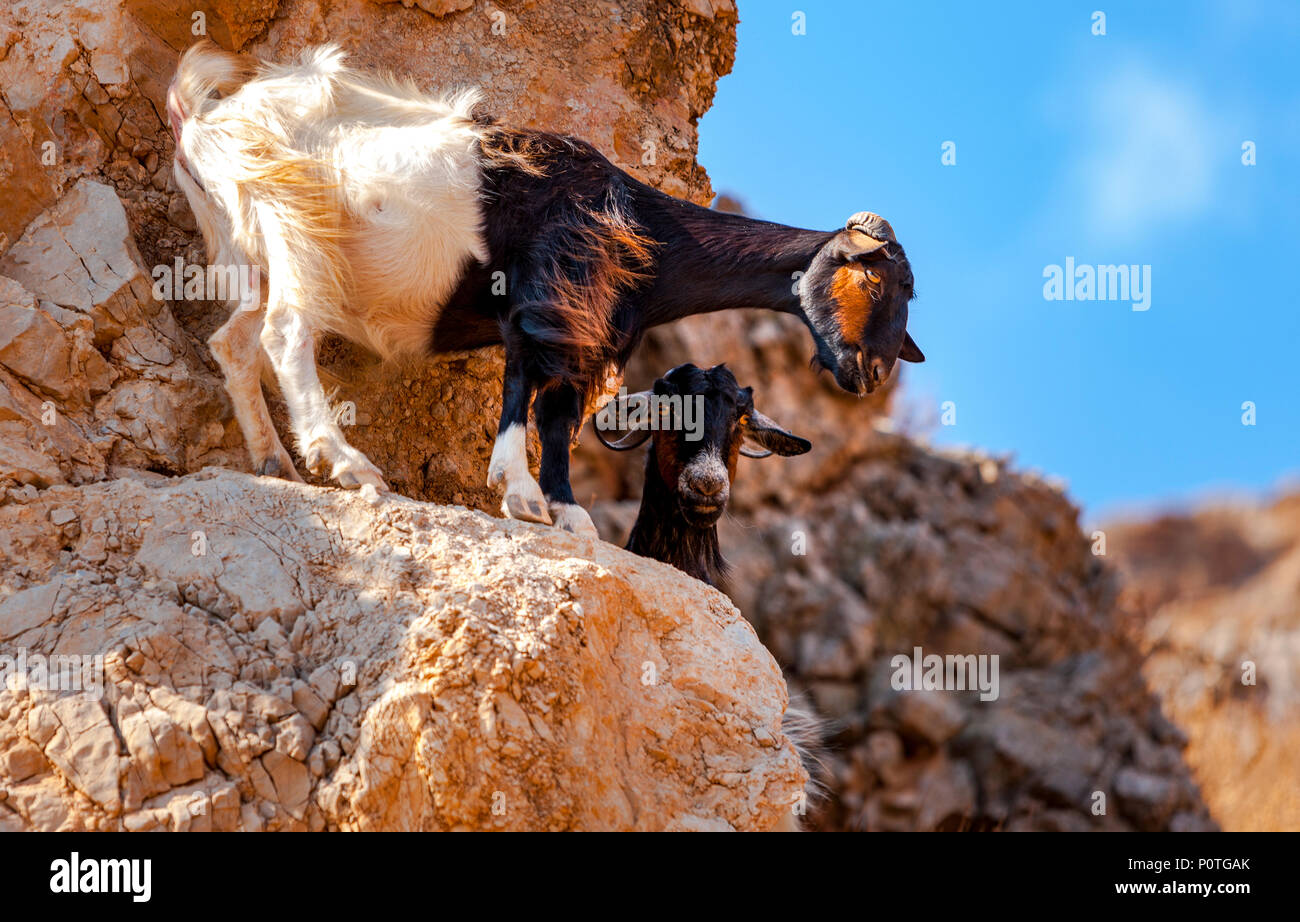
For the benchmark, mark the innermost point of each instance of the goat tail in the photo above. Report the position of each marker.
(806, 733)
(206, 70)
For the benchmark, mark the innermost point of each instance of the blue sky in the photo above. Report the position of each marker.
(1123, 148)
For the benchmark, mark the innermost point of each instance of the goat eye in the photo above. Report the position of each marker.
(873, 276)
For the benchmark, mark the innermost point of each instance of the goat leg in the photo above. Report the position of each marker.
(238, 350)
(509, 464)
(324, 448)
(559, 414)
(288, 341)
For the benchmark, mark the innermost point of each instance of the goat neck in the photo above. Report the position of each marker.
(713, 260)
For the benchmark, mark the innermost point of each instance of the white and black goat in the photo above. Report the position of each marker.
(416, 224)
(689, 471)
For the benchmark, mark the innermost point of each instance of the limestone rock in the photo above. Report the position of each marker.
(426, 668)
(102, 375)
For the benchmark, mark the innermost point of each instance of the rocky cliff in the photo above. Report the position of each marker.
(278, 656)
(88, 155)
(281, 656)
(268, 656)
(1213, 598)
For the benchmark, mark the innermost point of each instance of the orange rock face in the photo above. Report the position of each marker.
(267, 655)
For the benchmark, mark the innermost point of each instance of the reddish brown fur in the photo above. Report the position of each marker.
(592, 254)
(503, 147)
(733, 451)
(852, 293)
(670, 465)
(617, 257)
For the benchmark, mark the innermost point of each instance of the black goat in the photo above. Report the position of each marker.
(689, 470)
(622, 257)
(692, 461)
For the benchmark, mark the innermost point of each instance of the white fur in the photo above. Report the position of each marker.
(289, 344)
(509, 466)
(509, 456)
(369, 248)
(237, 347)
(573, 518)
(404, 180)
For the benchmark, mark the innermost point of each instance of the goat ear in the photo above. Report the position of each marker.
(768, 435)
(855, 244)
(910, 351)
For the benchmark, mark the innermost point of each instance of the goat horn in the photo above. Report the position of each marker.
(871, 224)
(758, 422)
(633, 439)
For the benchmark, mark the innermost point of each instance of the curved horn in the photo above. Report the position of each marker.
(871, 224)
(877, 231)
(633, 439)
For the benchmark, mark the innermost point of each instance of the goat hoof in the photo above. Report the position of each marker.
(525, 510)
(354, 477)
(574, 519)
(353, 470)
(314, 458)
(277, 466)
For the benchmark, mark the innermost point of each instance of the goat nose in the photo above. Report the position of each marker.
(878, 371)
(708, 486)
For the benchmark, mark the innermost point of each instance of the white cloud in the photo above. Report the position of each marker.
(1147, 155)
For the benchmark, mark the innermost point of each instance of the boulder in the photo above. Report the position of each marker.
(88, 352)
(257, 654)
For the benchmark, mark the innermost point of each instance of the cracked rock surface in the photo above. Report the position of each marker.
(279, 656)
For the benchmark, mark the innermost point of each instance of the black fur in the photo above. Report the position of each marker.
(661, 532)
